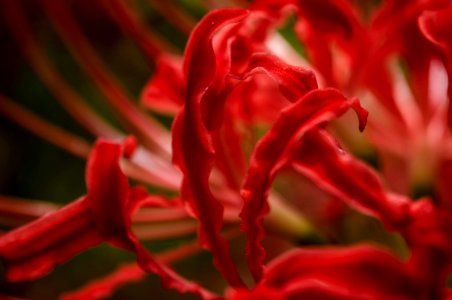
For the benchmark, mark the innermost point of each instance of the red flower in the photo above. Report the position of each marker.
(243, 115)
(103, 215)
(358, 272)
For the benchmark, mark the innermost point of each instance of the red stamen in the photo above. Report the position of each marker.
(165, 231)
(129, 21)
(128, 273)
(20, 28)
(175, 16)
(55, 135)
(150, 132)
(15, 211)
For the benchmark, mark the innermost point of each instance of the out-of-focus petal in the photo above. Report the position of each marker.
(164, 93)
(360, 272)
(395, 30)
(109, 206)
(437, 27)
(335, 16)
(363, 271)
(35, 249)
(430, 227)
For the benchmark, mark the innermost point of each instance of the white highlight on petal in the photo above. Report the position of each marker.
(437, 92)
(280, 47)
(404, 98)
(437, 83)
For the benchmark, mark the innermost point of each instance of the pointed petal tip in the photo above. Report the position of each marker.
(361, 113)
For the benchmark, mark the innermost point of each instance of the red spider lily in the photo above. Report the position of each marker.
(104, 214)
(229, 82)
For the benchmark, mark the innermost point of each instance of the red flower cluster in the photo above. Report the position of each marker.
(238, 75)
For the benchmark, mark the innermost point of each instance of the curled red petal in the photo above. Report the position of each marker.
(363, 271)
(192, 146)
(199, 63)
(430, 227)
(293, 81)
(395, 24)
(169, 278)
(129, 146)
(110, 206)
(335, 16)
(164, 92)
(234, 50)
(33, 250)
(256, 101)
(113, 208)
(437, 27)
(104, 214)
(314, 109)
(347, 178)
